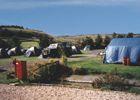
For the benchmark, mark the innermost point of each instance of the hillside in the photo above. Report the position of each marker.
(20, 32)
(28, 37)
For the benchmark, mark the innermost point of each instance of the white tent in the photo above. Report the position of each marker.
(87, 48)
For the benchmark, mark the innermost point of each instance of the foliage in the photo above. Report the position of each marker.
(14, 42)
(3, 44)
(98, 41)
(52, 72)
(45, 40)
(112, 81)
(130, 35)
(107, 40)
(134, 90)
(80, 71)
(120, 36)
(11, 26)
(5, 80)
(114, 35)
(87, 41)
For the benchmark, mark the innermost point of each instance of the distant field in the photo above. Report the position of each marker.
(28, 44)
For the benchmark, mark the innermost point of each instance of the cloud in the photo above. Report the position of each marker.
(28, 4)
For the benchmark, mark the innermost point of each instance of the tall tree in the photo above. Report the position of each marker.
(114, 35)
(130, 35)
(98, 40)
(120, 36)
(45, 40)
(87, 41)
(107, 40)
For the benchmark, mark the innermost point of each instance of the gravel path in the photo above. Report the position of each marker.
(8, 92)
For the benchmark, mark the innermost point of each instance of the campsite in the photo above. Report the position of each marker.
(69, 50)
(80, 63)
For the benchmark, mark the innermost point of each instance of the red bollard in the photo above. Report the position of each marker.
(128, 61)
(125, 60)
(21, 70)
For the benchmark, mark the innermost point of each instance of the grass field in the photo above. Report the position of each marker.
(95, 65)
(28, 44)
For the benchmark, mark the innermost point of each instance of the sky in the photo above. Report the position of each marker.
(73, 17)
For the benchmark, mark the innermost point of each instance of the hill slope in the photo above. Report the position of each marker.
(28, 37)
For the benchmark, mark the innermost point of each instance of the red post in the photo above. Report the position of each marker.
(21, 70)
(125, 60)
(128, 61)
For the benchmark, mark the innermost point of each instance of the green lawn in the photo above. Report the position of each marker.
(95, 65)
(28, 44)
(7, 61)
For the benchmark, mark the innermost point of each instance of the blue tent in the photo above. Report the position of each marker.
(123, 47)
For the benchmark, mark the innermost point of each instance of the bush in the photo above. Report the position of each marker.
(127, 75)
(80, 71)
(45, 40)
(112, 82)
(14, 42)
(135, 90)
(106, 41)
(96, 71)
(51, 72)
(3, 44)
(98, 41)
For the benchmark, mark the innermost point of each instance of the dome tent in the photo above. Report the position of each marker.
(57, 50)
(14, 51)
(87, 48)
(33, 51)
(123, 47)
(75, 50)
(3, 53)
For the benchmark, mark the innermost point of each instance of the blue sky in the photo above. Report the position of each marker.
(72, 17)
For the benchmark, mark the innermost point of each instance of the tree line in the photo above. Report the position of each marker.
(99, 42)
(11, 26)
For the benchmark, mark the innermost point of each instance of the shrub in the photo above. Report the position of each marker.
(135, 90)
(112, 82)
(96, 71)
(45, 40)
(51, 72)
(4, 44)
(98, 41)
(107, 40)
(127, 75)
(80, 71)
(14, 42)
